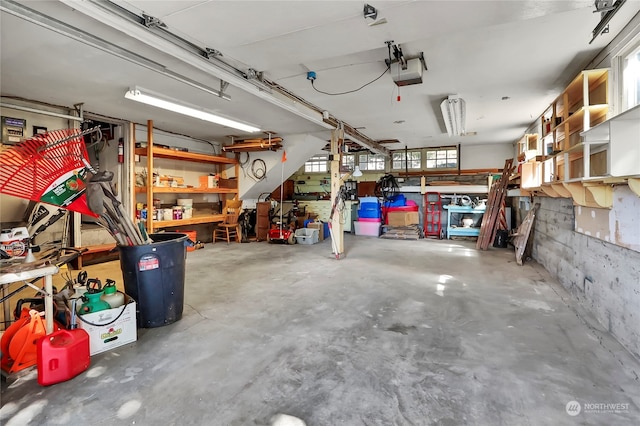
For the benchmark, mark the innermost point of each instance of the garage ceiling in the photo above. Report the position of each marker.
(507, 59)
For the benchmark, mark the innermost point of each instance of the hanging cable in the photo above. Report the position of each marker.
(386, 189)
(312, 79)
(349, 91)
(243, 164)
(259, 169)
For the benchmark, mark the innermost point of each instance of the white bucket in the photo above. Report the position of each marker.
(188, 212)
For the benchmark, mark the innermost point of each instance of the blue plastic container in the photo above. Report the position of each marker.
(364, 200)
(397, 201)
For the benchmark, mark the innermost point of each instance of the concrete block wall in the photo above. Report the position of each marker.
(603, 277)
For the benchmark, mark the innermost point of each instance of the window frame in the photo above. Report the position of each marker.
(378, 158)
(625, 79)
(402, 160)
(318, 160)
(446, 157)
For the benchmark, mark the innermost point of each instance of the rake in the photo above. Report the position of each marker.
(50, 168)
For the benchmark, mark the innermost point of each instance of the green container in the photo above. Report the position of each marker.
(93, 303)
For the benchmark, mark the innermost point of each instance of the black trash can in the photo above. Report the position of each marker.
(154, 276)
(502, 238)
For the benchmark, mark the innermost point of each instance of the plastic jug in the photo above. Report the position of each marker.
(79, 290)
(111, 295)
(92, 302)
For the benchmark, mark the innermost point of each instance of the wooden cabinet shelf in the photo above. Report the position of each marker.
(582, 105)
(169, 190)
(197, 219)
(172, 154)
(227, 187)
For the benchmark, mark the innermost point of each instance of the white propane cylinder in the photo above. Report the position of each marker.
(111, 295)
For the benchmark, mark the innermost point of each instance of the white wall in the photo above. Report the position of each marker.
(491, 156)
(299, 148)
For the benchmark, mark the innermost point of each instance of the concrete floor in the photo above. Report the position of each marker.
(397, 333)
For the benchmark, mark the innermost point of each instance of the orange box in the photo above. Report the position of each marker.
(208, 181)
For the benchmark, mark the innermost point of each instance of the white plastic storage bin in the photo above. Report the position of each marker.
(307, 235)
(369, 229)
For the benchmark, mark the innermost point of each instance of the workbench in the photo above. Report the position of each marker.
(42, 271)
(453, 229)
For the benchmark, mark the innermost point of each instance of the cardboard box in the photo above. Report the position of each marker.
(208, 181)
(403, 218)
(320, 227)
(109, 336)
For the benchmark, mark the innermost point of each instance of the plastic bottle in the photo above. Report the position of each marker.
(92, 302)
(79, 290)
(111, 295)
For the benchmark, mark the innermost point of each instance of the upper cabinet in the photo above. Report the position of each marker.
(583, 151)
(583, 104)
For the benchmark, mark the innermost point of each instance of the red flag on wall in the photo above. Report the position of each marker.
(284, 156)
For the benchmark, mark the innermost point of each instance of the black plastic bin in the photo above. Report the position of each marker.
(502, 238)
(154, 276)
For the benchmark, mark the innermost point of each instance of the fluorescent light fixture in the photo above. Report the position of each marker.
(357, 172)
(137, 94)
(454, 114)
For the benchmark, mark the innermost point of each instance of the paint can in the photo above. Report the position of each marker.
(177, 212)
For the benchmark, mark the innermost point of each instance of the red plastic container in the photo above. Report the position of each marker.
(62, 355)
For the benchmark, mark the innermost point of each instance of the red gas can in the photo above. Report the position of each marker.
(62, 355)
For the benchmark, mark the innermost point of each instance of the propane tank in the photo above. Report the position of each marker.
(111, 295)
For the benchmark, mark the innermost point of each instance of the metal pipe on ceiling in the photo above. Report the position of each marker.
(43, 112)
(52, 24)
(131, 24)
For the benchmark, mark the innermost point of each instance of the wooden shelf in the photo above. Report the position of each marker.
(169, 190)
(196, 219)
(226, 186)
(582, 105)
(185, 156)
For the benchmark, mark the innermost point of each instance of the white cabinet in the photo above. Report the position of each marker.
(621, 136)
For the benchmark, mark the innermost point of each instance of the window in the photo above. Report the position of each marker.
(398, 160)
(349, 160)
(371, 162)
(631, 79)
(442, 158)
(316, 164)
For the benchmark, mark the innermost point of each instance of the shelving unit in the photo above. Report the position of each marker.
(564, 156)
(221, 164)
(476, 213)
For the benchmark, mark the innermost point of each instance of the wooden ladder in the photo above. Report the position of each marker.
(497, 195)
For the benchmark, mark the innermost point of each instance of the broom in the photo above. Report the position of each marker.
(48, 167)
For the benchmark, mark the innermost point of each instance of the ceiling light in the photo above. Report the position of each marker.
(453, 112)
(144, 96)
(357, 172)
